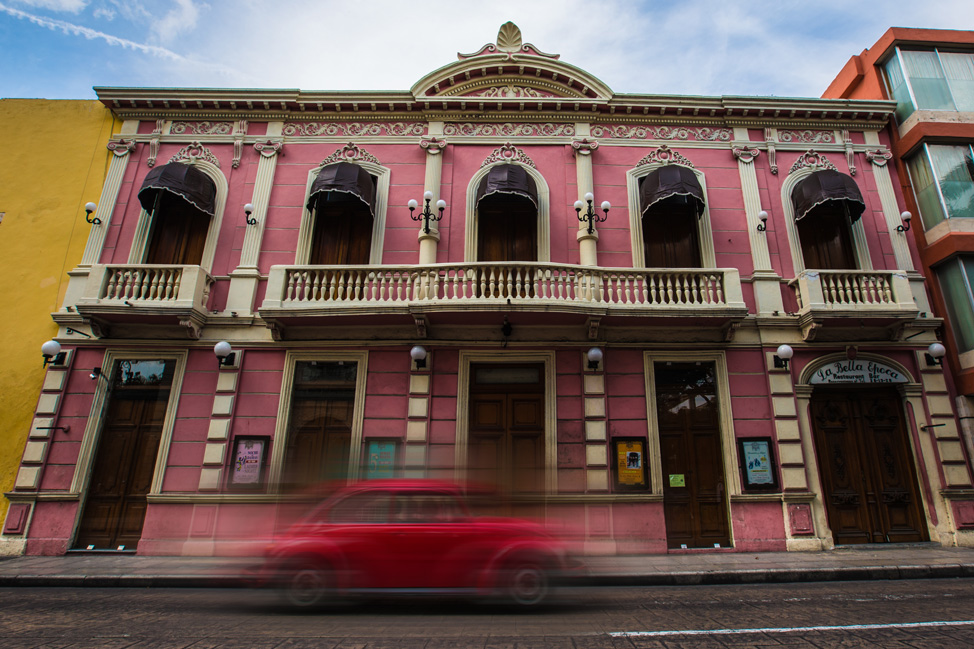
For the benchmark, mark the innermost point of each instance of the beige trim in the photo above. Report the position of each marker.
(708, 259)
(303, 251)
(144, 228)
(467, 357)
(732, 479)
(863, 259)
(279, 443)
(544, 213)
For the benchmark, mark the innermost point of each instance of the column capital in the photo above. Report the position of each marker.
(745, 154)
(584, 146)
(269, 148)
(121, 147)
(433, 145)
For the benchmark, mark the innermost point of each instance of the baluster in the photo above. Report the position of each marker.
(176, 282)
(314, 286)
(718, 287)
(668, 299)
(887, 291)
(695, 292)
(155, 285)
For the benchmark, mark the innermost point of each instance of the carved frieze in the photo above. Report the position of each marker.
(195, 151)
(349, 153)
(508, 153)
(202, 128)
(814, 159)
(508, 130)
(665, 156)
(701, 133)
(510, 91)
(353, 129)
(806, 136)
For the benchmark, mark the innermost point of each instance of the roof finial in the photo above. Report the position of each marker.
(509, 37)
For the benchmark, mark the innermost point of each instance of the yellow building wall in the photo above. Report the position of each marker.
(54, 162)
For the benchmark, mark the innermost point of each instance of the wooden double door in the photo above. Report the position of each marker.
(506, 429)
(869, 478)
(116, 503)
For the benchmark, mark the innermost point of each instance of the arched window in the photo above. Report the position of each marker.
(180, 201)
(342, 200)
(671, 202)
(826, 204)
(507, 215)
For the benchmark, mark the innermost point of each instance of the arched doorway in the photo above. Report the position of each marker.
(865, 459)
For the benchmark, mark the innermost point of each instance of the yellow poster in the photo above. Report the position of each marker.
(629, 461)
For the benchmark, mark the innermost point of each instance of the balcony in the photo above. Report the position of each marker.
(120, 296)
(295, 293)
(859, 299)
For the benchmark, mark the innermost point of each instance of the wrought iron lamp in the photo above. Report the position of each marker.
(89, 208)
(935, 354)
(782, 355)
(906, 216)
(52, 353)
(248, 210)
(763, 225)
(590, 214)
(427, 214)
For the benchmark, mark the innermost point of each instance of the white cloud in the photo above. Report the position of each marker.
(104, 12)
(72, 6)
(180, 19)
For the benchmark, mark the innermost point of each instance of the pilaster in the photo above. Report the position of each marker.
(587, 243)
(434, 147)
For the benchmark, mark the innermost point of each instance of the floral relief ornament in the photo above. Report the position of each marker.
(349, 153)
(664, 155)
(508, 153)
(202, 128)
(812, 158)
(622, 131)
(195, 151)
(352, 129)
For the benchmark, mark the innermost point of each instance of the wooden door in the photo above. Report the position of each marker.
(826, 239)
(694, 499)
(122, 476)
(506, 445)
(319, 440)
(342, 234)
(670, 235)
(507, 229)
(178, 233)
(868, 476)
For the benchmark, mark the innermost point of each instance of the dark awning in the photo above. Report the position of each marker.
(185, 181)
(671, 180)
(827, 185)
(508, 179)
(346, 178)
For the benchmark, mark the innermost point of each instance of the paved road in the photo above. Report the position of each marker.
(893, 614)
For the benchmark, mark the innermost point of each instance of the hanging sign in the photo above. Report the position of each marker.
(857, 371)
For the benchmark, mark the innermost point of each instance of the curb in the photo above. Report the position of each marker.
(688, 578)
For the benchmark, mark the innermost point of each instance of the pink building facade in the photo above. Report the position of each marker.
(627, 379)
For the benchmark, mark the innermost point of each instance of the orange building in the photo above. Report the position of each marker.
(930, 74)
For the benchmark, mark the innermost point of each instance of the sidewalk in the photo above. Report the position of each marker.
(907, 561)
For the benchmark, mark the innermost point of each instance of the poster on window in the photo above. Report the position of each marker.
(249, 454)
(757, 463)
(381, 459)
(630, 464)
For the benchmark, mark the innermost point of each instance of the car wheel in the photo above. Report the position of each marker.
(305, 585)
(527, 584)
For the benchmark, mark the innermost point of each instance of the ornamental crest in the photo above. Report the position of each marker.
(511, 92)
(349, 153)
(508, 42)
(202, 128)
(664, 156)
(352, 129)
(508, 153)
(195, 151)
(813, 159)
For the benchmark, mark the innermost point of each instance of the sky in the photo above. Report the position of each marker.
(60, 49)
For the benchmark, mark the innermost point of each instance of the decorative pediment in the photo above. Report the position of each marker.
(510, 69)
(195, 151)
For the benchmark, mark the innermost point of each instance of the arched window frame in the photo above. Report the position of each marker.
(863, 260)
(708, 258)
(140, 243)
(381, 174)
(472, 217)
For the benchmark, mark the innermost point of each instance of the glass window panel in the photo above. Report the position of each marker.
(928, 199)
(927, 80)
(954, 167)
(956, 288)
(898, 89)
(959, 69)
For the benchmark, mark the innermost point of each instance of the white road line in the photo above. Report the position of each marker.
(850, 627)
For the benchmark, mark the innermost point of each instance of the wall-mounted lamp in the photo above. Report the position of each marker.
(594, 356)
(97, 374)
(935, 354)
(52, 353)
(906, 216)
(248, 210)
(782, 355)
(418, 354)
(763, 225)
(224, 353)
(427, 214)
(590, 214)
(89, 208)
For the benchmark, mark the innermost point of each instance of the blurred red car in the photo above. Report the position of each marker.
(405, 536)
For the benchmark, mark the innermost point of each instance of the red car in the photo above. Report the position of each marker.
(405, 536)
